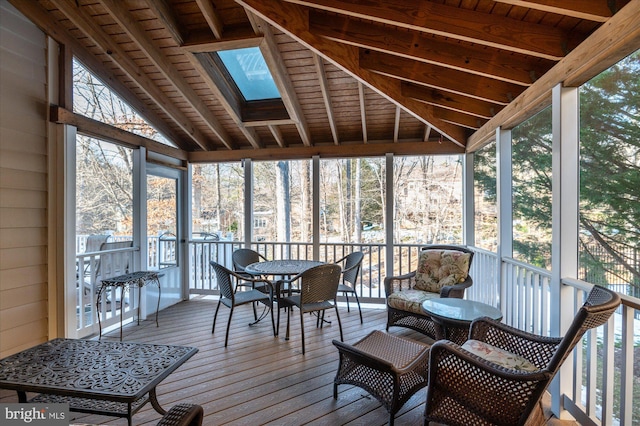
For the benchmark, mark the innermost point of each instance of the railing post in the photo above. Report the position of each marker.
(505, 209)
(564, 227)
(389, 209)
(248, 202)
(315, 205)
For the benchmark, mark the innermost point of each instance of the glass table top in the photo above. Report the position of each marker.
(460, 309)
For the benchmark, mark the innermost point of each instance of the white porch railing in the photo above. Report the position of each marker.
(114, 305)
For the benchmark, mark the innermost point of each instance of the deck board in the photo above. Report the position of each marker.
(259, 379)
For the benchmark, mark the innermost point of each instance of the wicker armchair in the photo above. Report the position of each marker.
(318, 290)
(183, 415)
(499, 376)
(350, 271)
(443, 271)
(230, 298)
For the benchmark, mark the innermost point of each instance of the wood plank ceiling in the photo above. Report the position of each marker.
(357, 77)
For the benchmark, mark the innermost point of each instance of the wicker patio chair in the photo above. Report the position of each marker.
(230, 298)
(390, 368)
(443, 271)
(318, 288)
(350, 273)
(499, 376)
(183, 415)
(241, 258)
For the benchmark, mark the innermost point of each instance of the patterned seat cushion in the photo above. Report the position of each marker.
(410, 300)
(439, 268)
(499, 356)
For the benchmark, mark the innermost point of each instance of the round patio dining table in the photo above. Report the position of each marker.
(288, 267)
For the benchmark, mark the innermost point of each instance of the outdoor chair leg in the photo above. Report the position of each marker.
(213, 328)
(226, 337)
(359, 308)
(339, 322)
(302, 329)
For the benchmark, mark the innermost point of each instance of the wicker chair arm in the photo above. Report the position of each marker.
(456, 290)
(247, 278)
(183, 415)
(535, 348)
(478, 385)
(395, 283)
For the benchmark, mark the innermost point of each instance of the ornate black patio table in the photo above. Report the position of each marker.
(109, 378)
(281, 267)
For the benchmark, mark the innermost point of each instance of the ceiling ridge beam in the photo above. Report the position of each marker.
(41, 17)
(461, 24)
(480, 60)
(324, 88)
(86, 25)
(166, 68)
(294, 20)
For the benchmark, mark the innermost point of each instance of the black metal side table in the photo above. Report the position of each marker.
(124, 282)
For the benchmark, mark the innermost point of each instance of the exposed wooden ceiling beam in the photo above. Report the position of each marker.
(41, 17)
(363, 112)
(211, 16)
(293, 20)
(454, 101)
(215, 45)
(434, 76)
(480, 60)
(396, 125)
(592, 10)
(324, 88)
(163, 9)
(427, 133)
(345, 150)
(277, 135)
(602, 49)
(111, 133)
(461, 119)
(272, 57)
(86, 25)
(166, 68)
(249, 133)
(448, 21)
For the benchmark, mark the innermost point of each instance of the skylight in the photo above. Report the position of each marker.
(249, 71)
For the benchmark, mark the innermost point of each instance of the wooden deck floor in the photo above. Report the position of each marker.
(259, 379)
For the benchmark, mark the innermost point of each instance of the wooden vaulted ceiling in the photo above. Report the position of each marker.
(357, 77)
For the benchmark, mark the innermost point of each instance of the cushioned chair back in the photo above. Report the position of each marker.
(442, 265)
(244, 257)
(450, 247)
(351, 275)
(223, 276)
(599, 306)
(320, 283)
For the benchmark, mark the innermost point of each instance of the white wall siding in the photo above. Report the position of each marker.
(23, 183)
